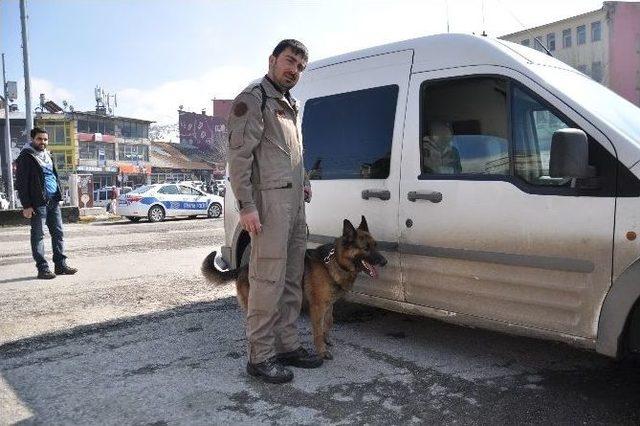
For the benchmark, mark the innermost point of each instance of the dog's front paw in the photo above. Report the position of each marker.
(327, 355)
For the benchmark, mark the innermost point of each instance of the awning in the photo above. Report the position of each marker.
(132, 169)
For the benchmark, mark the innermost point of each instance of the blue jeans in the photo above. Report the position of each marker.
(50, 215)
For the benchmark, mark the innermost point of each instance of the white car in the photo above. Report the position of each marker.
(158, 201)
(4, 202)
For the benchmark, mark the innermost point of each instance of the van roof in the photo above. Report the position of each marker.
(453, 50)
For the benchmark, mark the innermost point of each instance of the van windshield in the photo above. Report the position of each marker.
(608, 106)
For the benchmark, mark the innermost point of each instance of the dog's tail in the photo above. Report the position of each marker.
(215, 276)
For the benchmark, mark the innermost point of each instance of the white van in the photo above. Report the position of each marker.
(501, 183)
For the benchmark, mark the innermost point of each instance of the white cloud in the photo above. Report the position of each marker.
(50, 90)
(161, 103)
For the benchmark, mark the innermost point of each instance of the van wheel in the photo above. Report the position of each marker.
(246, 255)
(156, 214)
(133, 218)
(215, 210)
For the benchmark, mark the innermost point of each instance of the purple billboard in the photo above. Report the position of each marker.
(202, 131)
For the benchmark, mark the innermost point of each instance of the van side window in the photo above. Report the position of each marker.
(464, 127)
(349, 135)
(533, 127)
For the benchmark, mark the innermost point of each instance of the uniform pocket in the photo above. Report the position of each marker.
(271, 270)
(271, 243)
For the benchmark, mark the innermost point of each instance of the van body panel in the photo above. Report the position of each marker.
(626, 250)
(616, 309)
(469, 320)
(333, 200)
(526, 263)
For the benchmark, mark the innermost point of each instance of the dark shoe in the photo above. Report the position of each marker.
(65, 270)
(300, 358)
(46, 274)
(270, 371)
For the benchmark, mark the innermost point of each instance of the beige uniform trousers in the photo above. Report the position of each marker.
(275, 273)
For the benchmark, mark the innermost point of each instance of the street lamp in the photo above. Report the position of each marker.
(10, 92)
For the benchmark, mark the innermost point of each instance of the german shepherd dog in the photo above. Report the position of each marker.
(329, 272)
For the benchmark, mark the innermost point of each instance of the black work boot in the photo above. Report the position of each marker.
(299, 358)
(270, 371)
(46, 274)
(63, 269)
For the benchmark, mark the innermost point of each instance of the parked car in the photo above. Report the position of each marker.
(4, 201)
(502, 184)
(158, 201)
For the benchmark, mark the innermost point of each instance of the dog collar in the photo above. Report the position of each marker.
(327, 258)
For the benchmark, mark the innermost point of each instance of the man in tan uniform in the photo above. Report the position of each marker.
(266, 172)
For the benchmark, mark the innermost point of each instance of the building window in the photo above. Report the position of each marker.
(128, 152)
(349, 135)
(57, 132)
(537, 43)
(566, 38)
(551, 42)
(525, 42)
(96, 125)
(596, 33)
(596, 71)
(581, 34)
(463, 135)
(96, 151)
(132, 129)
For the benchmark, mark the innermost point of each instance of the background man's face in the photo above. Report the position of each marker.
(285, 69)
(40, 141)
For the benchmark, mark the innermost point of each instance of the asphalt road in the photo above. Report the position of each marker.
(137, 337)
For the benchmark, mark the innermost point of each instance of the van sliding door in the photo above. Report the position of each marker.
(352, 123)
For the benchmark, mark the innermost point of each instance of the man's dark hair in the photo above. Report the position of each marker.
(37, 130)
(297, 48)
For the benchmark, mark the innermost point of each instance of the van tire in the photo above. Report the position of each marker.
(246, 255)
(156, 214)
(632, 338)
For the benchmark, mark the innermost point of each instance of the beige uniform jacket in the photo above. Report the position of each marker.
(265, 150)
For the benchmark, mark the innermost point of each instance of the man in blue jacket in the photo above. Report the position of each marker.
(39, 191)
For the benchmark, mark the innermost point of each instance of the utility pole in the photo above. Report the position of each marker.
(7, 139)
(25, 60)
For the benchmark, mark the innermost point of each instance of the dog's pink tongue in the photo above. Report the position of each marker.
(373, 272)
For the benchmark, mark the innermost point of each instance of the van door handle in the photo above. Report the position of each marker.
(434, 197)
(372, 193)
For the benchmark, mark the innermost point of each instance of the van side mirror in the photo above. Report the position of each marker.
(569, 156)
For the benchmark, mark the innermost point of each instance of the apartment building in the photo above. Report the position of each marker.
(603, 44)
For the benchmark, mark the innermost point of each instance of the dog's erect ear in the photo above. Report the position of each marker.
(363, 225)
(348, 231)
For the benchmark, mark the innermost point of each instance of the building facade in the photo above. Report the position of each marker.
(603, 44)
(114, 150)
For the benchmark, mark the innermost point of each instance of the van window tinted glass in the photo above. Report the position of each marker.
(349, 135)
(464, 127)
(533, 127)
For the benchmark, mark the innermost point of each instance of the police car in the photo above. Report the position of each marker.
(158, 201)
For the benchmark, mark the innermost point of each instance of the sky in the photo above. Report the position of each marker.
(157, 55)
